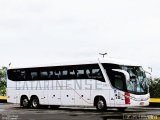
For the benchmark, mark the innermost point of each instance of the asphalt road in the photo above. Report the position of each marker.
(14, 112)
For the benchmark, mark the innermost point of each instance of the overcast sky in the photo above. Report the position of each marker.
(36, 32)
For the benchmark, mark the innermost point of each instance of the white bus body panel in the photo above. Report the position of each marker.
(58, 92)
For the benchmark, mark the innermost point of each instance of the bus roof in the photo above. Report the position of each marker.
(86, 61)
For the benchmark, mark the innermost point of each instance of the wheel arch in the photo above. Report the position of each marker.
(96, 98)
(34, 96)
(22, 97)
(35, 102)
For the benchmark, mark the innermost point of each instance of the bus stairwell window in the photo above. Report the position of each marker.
(119, 81)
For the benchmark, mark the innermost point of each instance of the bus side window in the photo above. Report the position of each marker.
(96, 73)
(43, 75)
(23, 75)
(10, 74)
(50, 75)
(57, 74)
(88, 73)
(18, 75)
(34, 75)
(72, 74)
(64, 74)
(80, 74)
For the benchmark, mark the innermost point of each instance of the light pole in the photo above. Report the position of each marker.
(103, 54)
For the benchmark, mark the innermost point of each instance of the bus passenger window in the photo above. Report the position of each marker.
(96, 73)
(51, 75)
(64, 74)
(57, 74)
(80, 74)
(18, 75)
(23, 75)
(44, 75)
(88, 73)
(72, 74)
(34, 75)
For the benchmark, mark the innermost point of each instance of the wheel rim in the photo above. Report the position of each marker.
(35, 103)
(100, 104)
(25, 102)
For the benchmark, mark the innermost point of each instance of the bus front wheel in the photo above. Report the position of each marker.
(101, 104)
(35, 102)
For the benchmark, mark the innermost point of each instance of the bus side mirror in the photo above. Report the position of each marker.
(126, 74)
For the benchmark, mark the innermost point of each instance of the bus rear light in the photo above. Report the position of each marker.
(127, 98)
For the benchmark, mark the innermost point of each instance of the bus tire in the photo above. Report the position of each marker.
(24, 102)
(35, 102)
(101, 104)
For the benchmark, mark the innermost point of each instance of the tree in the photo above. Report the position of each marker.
(155, 88)
(3, 81)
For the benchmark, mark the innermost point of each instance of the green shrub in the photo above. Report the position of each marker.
(3, 81)
(2, 88)
(155, 88)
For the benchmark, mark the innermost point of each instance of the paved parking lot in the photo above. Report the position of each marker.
(14, 112)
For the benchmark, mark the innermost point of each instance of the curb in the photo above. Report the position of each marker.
(3, 99)
(154, 100)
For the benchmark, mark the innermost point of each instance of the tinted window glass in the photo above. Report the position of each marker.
(64, 74)
(34, 75)
(16, 75)
(80, 74)
(50, 75)
(117, 80)
(57, 74)
(97, 74)
(44, 75)
(72, 74)
(23, 75)
(90, 71)
(119, 84)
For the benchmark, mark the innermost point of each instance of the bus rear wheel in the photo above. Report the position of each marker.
(35, 102)
(25, 102)
(101, 104)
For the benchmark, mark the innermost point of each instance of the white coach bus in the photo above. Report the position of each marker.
(99, 83)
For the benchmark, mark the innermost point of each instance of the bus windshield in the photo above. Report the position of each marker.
(138, 81)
